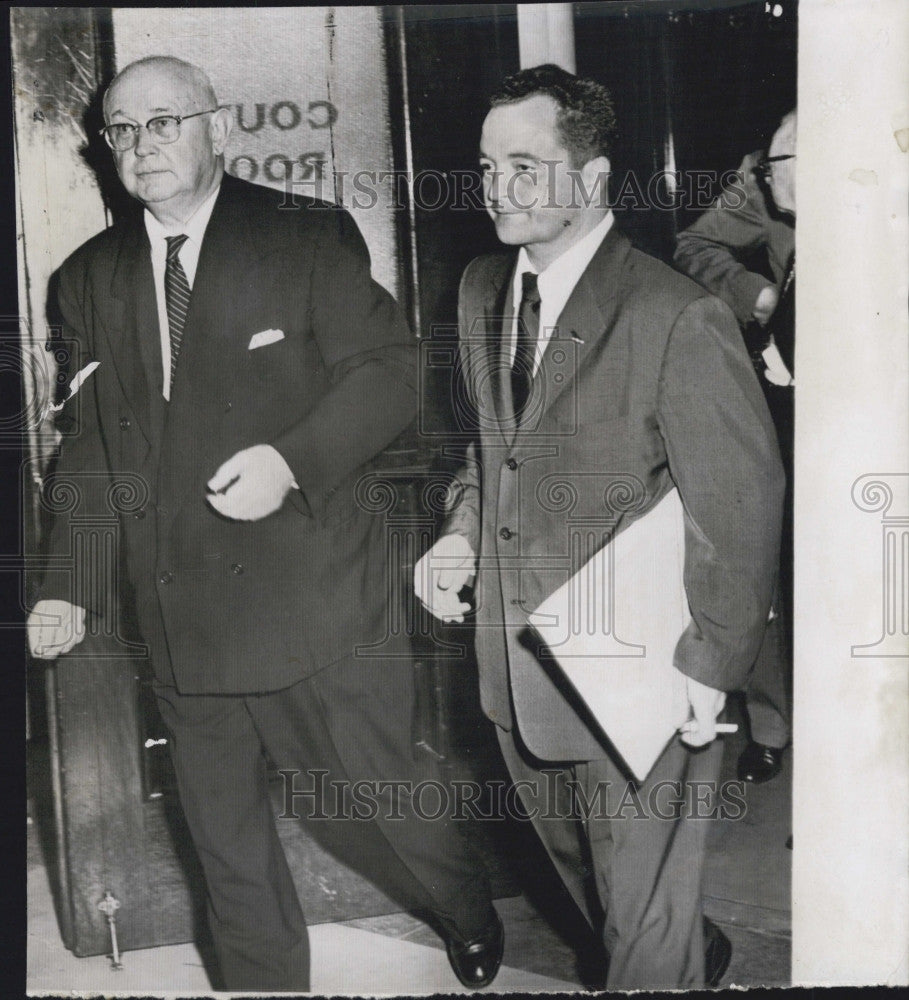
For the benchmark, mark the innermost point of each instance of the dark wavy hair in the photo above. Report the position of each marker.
(586, 117)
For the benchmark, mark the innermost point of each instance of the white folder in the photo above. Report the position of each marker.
(613, 628)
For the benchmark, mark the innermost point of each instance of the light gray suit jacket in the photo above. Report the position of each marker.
(645, 384)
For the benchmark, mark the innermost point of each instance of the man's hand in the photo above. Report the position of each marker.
(251, 485)
(54, 627)
(706, 704)
(438, 577)
(765, 304)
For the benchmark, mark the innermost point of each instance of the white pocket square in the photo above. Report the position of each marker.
(264, 337)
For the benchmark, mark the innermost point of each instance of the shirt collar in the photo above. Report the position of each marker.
(557, 282)
(194, 228)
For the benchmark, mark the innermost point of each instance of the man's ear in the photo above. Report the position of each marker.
(595, 176)
(222, 121)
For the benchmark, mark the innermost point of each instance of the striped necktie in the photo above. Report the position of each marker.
(176, 296)
(526, 349)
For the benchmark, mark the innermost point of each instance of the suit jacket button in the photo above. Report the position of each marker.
(124, 423)
(139, 514)
(506, 533)
(511, 464)
(237, 569)
(166, 577)
(228, 407)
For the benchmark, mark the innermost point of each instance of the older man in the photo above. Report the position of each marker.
(721, 251)
(602, 377)
(248, 367)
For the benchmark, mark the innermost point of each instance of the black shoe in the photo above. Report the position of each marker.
(717, 953)
(759, 763)
(477, 961)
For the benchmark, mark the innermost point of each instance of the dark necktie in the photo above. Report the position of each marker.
(528, 334)
(176, 296)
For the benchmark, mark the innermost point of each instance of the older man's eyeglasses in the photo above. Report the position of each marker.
(765, 164)
(122, 136)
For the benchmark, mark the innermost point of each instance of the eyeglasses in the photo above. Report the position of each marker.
(122, 136)
(765, 164)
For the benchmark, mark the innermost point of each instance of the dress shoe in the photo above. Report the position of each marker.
(477, 961)
(759, 763)
(717, 953)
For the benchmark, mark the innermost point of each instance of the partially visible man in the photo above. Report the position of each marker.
(747, 219)
(661, 395)
(247, 369)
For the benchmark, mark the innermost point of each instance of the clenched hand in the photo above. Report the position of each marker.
(251, 485)
(447, 567)
(54, 627)
(706, 704)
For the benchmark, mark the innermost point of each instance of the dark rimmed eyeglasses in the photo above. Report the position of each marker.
(122, 136)
(765, 164)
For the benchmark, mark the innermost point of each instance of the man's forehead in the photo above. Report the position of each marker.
(532, 120)
(151, 89)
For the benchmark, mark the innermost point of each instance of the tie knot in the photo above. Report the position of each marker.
(174, 245)
(529, 290)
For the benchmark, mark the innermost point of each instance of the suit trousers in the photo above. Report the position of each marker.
(768, 691)
(645, 843)
(350, 720)
(767, 695)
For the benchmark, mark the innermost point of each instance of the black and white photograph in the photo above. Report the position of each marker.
(438, 564)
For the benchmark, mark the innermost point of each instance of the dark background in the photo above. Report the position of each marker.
(12, 635)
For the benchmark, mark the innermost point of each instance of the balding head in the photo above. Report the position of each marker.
(188, 80)
(170, 169)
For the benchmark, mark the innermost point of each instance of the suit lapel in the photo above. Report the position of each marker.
(132, 328)
(222, 271)
(210, 355)
(499, 324)
(588, 314)
(488, 348)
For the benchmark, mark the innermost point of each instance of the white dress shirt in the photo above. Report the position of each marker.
(194, 229)
(555, 284)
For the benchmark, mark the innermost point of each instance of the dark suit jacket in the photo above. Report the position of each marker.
(239, 606)
(645, 384)
(741, 222)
